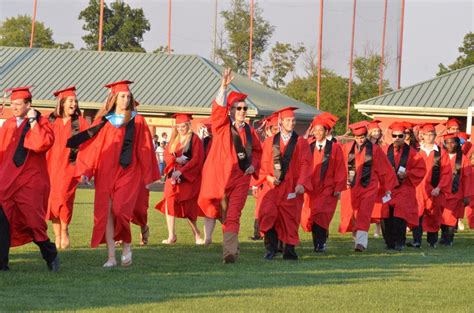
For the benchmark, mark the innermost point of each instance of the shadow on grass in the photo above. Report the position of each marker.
(163, 273)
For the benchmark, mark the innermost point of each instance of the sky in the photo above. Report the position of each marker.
(433, 29)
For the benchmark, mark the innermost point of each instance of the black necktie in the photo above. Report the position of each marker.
(21, 152)
(320, 147)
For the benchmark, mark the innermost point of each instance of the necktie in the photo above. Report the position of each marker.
(320, 147)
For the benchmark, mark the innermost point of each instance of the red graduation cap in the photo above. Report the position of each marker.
(19, 92)
(271, 120)
(428, 127)
(374, 124)
(408, 125)
(286, 112)
(463, 135)
(359, 128)
(235, 96)
(449, 136)
(398, 126)
(453, 122)
(64, 93)
(328, 124)
(182, 117)
(119, 86)
(329, 117)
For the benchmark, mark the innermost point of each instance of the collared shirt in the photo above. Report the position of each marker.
(320, 145)
(118, 119)
(19, 120)
(428, 151)
(329, 137)
(286, 138)
(451, 155)
(240, 125)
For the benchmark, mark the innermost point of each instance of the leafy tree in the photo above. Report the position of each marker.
(234, 49)
(162, 49)
(465, 59)
(123, 27)
(282, 61)
(16, 32)
(367, 72)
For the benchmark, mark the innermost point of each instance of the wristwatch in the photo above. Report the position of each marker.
(32, 119)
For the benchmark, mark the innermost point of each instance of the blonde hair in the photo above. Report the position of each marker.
(177, 138)
(110, 105)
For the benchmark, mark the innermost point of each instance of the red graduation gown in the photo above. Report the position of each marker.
(61, 172)
(181, 199)
(24, 190)
(320, 204)
(221, 175)
(428, 206)
(454, 208)
(275, 209)
(404, 195)
(357, 202)
(115, 185)
(470, 208)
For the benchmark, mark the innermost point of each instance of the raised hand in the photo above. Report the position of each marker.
(227, 77)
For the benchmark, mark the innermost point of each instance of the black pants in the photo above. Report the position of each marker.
(447, 234)
(319, 236)
(47, 248)
(393, 230)
(272, 244)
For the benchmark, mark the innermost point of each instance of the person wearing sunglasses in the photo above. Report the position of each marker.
(367, 168)
(402, 210)
(430, 192)
(233, 159)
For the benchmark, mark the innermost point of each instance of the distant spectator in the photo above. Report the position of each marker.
(164, 137)
(156, 142)
(160, 150)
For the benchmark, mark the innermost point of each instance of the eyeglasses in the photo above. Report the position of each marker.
(242, 108)
(398, 136)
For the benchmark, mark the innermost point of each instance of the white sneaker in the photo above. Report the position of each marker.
(127, 259)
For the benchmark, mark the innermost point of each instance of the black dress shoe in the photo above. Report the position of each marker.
(320, 248)
(269, 255)
(433, 245)
(414, 244)
(4, 268)
(290, 256)
(399, 247)
(255, 238)
(53, 266)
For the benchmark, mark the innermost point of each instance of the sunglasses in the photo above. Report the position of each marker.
(242, 108)
(398, 136)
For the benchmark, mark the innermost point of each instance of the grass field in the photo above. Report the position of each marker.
(185, 277)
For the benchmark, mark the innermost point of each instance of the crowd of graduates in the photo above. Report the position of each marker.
(401, 180)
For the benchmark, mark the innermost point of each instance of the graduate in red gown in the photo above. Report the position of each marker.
(118, 154)
(184, 157)
(402, 210)
(285, 172)
(328, 180)
(66, 121)
(270, 127)
(234, 157)
(460, 191)
(140, 214)
(470, 208)
(368, 169)
(430, 192)
(24, 183)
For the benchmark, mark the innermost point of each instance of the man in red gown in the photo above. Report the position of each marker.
(24, 182)
(286, 174)
(430, 192)
(328, 180)
(368, 169)
(233, 158)
(402, 209)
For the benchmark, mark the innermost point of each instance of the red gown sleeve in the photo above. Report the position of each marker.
(445, 179)
(39, 138)
(146, 152)
(416, 168)
(306, 164)
(191, 170)
(383, 169)
(219, 117)
(256, 153)
(266, 161)
(467, 177)
(340, 176)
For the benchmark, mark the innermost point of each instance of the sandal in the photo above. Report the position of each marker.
(169, 242)
(144, 236)
(126, 259)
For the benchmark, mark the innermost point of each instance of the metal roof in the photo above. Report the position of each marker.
(449, 93)
(164, 83)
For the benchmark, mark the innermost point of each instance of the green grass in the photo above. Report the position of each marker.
(185, 277)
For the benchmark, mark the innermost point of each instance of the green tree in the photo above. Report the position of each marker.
(123, 27)
(234, 49)
(283, 57)
(16, 32)
(465, 59)
(367, 72)
(333, 96)
(162, 49)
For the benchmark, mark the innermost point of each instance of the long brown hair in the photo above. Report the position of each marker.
(59, 111)
(176, 138)
(110, 105)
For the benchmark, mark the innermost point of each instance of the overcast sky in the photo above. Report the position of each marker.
(434, 29)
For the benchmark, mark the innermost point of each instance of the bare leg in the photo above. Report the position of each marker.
(196, 232)
(209, 225)
(127, 254)
(57, 232)
(378, 230)
(64, 235)
(170, 222)
(109, 237)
